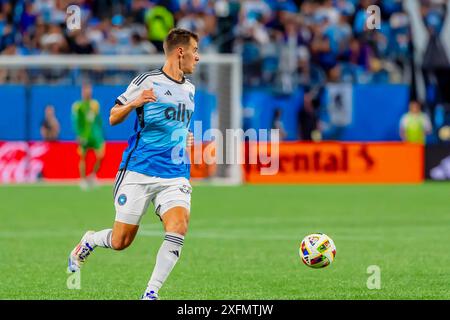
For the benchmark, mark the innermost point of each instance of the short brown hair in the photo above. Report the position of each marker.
(178, 37)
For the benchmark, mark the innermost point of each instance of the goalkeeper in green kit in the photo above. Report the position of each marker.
(88, 127)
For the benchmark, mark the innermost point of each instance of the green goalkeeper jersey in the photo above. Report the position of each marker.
(87, 122)
(415, 126)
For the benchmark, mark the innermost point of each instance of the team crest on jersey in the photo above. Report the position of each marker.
(186, 189)
(122, 199)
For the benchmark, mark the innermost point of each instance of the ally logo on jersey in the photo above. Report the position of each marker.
(179, 114)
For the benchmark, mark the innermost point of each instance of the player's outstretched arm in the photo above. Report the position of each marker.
(119, 112)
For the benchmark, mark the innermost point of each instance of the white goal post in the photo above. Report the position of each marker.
(220, 74)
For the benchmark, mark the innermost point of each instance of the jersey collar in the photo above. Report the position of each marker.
(170, 78)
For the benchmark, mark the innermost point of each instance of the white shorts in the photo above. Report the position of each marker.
(133, 192)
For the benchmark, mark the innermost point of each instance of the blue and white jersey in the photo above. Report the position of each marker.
(158, 145)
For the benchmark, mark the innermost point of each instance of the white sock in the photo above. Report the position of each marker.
(101, 238)
(167, 257)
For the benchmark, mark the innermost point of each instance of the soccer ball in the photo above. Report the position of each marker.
(317, 250)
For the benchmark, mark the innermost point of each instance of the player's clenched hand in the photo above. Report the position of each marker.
(190, 140)
(146, 96)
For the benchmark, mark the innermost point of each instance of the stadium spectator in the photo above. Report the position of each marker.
(54, 41)
(277, 124)
(288, 53)
(436, 58)
(80, 44)
(6, 34)
(12, 75)
(28, 17)
(308, 119)
(140, 46)
(227, 13)
(159, 20)
(50, 125)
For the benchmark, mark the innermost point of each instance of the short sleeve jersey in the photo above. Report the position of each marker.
(158, 145)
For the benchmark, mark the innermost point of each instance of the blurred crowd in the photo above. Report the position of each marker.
(286, 42)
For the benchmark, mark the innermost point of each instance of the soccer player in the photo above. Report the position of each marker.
(415, 125)
(154, 166)
(88, 128)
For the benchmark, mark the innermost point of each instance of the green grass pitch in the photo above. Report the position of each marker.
(242, 243)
